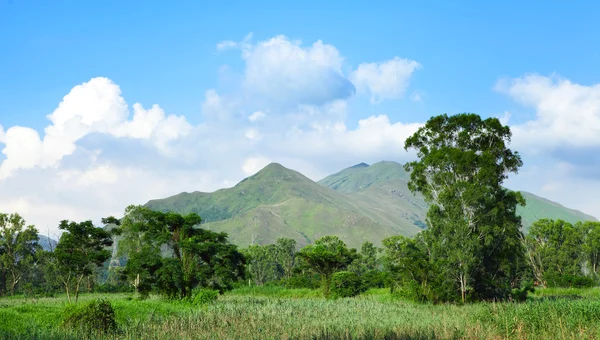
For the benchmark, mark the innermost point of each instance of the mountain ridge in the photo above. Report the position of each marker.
(359, 203)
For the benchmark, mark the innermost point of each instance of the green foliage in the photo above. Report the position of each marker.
(262, 264)
(302, 281)
(590, 232)
(345, 284)
(18, 248)
(269, 312)
(97, 317)
(79, 252)
(204, 297)
(473, 240)
(196, 257)
(328, 255)
(520, 294)
(554, 279)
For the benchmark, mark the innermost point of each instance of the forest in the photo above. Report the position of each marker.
(473, 273)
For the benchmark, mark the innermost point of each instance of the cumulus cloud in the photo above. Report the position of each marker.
(92, 107)
(566, 114)
(283, 71)
(255, 117)
(98, 154)
(385, 80)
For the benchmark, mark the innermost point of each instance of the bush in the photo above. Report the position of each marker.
(205, 297)
(345, 284)
(568, 281)
(96, 317)
(374, 279)
(299, 281)
(520, 294)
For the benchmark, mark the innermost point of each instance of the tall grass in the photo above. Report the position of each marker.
(274, 313)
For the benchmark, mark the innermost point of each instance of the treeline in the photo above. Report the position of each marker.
(168, 254)
(473, 248)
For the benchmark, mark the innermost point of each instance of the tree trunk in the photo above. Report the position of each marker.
(66, 283)
(463, 287)
(77, 287)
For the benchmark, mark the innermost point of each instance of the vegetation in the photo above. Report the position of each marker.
(367, 203)
(550, 314)
(171, 277)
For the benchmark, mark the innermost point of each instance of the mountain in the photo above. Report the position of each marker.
(279, 202)
(46, 242)
(376, 185)
(360, 203)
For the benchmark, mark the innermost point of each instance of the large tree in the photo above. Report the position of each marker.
(81, 249)
(473, 231)
(189, 256)
(18, 248)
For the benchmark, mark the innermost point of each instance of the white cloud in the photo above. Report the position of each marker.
(97, 155)
(567, 114)
(92, 107)
(255, 117)
(385, 80)
(282, 71)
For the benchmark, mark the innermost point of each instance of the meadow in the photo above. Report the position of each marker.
(277, 313)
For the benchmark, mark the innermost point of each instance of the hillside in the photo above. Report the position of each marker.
(279, 202)
(383, 186)
(359, 203)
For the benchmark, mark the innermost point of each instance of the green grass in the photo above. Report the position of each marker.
(276, 313)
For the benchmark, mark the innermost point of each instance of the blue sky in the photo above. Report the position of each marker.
(536, 61)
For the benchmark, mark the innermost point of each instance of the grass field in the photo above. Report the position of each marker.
(274, 313)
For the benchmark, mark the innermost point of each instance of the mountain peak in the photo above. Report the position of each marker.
(360, 165)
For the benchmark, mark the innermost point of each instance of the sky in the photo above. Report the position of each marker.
(104, 104)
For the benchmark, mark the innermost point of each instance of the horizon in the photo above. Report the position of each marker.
(121, 103)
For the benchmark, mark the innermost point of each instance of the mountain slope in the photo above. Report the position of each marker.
(279, 202)
(384, 185)
(360, 203)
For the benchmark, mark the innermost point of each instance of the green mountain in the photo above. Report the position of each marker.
(373, 185)
(279, 202)
(357, 204)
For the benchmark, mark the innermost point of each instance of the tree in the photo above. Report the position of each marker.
(406, 260)
(591, 245)
(554, 249)
(326, 256)
(189, 256)
(366, 260)
(286, 255)
(472, 224)
(80, 250)
(262, 263)
(18, 247)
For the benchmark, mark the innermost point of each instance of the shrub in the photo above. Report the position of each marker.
(568, 281)
(520, 294)
(204, 297)
(96, 317)
(345, 284)
(374, 279)
(300, 281)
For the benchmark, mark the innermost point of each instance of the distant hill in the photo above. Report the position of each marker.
(357, 204)
(46, 242)
(382, 184)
